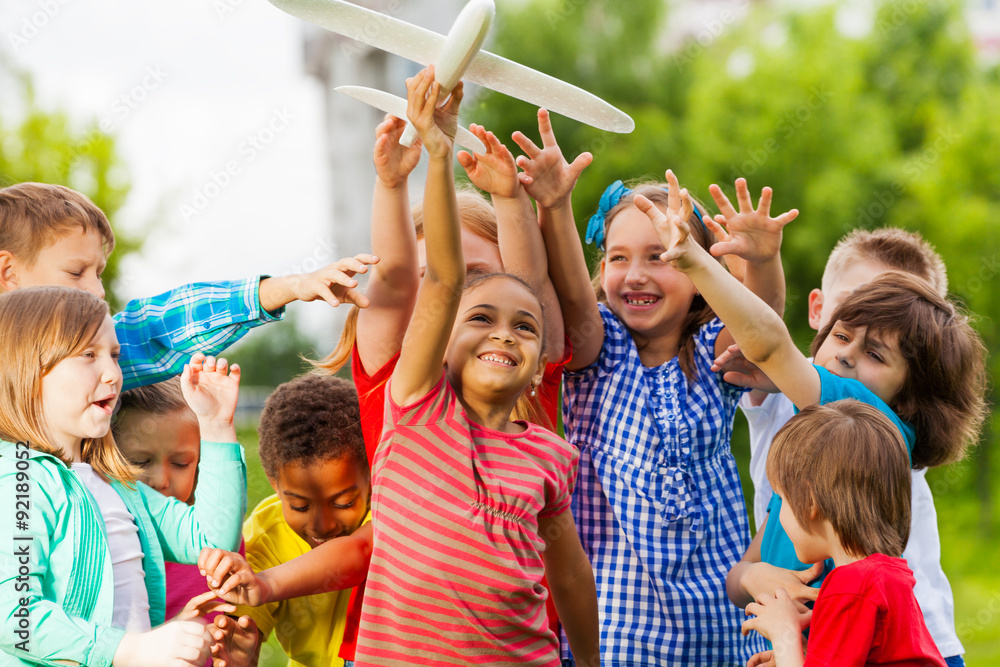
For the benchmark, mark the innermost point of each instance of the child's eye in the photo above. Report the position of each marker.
(181, 466)
(298, 509)
(116, 355)
(655, 257)
(345, 506)
(75, 274)
(88, 354)
(616, 258)
(875, 356)
(840, 336)
(141, 464)
(524, 326)
(479, 318)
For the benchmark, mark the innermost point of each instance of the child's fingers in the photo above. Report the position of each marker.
(673, 191)
(545, 128)
(764, 205)
(743, 195)
(717, 230)
(221, 365)
(687, 206)
(722, 201)
(785, 218)
(359, 299)
(526, 144)
(582, 161)
(467, 160)
(209, 364)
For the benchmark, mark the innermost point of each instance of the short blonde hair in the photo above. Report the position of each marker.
(34, 215)
(893, 248)
(40, 327)
(849, 461)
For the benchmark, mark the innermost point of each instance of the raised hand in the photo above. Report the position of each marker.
(211, 389)
(436, 125)
(738, 371)
(394, 162)
(547, 176)
(493, 171)
(237, 642)
(334, 283)
(672, 226)
(231, 578)
(751, 234)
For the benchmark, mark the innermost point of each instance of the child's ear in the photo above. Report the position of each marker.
(815, 308)
(536, 379)
(8, 271)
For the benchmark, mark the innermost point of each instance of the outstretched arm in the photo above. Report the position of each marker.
(333, 283)
(427, 336)
(751, 577)
(392, 287)
(754, 325)
(550, 180)
(332, 566)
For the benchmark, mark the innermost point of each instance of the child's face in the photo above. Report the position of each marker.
(165, 448)
(876, 361)
(822, 304)
(480, 255)
(648, 294)
(322, 500)
(496, 346)
(75, 259)
(80, 392)
(809, 548)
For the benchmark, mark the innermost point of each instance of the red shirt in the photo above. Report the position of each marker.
(371, 396)
(866, 614)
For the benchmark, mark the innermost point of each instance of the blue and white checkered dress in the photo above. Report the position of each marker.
(658, 503)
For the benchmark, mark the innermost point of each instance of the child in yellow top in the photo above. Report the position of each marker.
(313, 453)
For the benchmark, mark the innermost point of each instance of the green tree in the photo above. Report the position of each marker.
(51, 147)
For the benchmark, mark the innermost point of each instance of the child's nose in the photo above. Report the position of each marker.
(502, 335)
(636, 273)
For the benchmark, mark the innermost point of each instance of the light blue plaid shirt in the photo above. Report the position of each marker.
(158, 335)
(658, 503)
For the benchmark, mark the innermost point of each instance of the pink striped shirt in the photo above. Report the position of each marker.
(456, 570)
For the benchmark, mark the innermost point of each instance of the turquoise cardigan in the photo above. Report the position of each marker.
(56, 583)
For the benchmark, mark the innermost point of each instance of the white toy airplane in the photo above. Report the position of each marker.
(455, 57)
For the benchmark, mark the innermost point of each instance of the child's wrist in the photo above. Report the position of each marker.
(217, 430)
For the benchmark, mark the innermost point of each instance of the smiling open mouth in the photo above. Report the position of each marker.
(498, 359)
(644, 301)
(106, 404)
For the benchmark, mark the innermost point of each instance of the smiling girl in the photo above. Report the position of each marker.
(89, 582)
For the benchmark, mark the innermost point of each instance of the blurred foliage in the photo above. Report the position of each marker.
(897, 127)
(272, 355)
(51, 147)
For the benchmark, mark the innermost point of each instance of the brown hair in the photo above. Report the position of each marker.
(40, 327)
(35, 215)
(310, 419)
(847, 460)
(890, 247)
(475, 214)
(162, 398)
(942, 393)
(700, 313)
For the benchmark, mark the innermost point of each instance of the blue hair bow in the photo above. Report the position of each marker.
(595, 228)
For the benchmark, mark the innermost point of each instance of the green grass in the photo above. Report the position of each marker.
(970, 556)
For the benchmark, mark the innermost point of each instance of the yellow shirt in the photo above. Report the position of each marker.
(310, 629)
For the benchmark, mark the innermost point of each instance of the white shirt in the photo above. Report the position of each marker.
(131, 611)
(923, 551)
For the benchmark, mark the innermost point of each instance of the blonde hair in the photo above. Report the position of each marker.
(475, 214)
(34, 215)
(893, 248)
(700, 313)
(40, 327)
(848, 461)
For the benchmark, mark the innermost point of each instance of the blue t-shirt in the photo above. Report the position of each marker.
(775, 547)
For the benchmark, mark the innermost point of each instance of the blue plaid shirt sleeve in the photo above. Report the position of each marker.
(159, 334)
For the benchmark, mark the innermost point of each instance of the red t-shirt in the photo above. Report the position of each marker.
(866, 614)
(371, 396)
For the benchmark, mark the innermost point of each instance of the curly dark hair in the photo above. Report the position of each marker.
(311, 418)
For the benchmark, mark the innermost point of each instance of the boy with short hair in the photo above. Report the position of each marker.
(843, 471)
(857, 259)
(52, 235)
(313, 452)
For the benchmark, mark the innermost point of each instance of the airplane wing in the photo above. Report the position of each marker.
(389, 103)
(492, 71)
